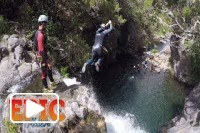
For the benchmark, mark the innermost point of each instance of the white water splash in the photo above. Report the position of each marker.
(121, 124)
(70, 82)
(116, 123)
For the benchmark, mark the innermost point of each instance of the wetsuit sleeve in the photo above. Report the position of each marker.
(108, 30)
(98, 30)
(40, 44)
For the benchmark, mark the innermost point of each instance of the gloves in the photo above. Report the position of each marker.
(109, 22)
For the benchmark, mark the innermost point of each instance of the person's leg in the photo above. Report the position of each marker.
(99, 61)
(44, 74)
(50, 75)
(89, 62)
(44, 82)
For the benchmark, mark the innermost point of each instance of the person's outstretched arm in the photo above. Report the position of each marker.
(108, 30)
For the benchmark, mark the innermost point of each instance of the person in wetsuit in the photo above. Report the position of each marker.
(40, 41)
(97, 48)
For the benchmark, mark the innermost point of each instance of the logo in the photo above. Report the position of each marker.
(36, 108)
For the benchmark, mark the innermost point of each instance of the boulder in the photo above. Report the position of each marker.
(19, 53)
(9, 75)
(35, 67)
(189, 120)
(80, 111)
(25, 70)
(3, 52)
(12, 43)
(12, 69)
(5, 38)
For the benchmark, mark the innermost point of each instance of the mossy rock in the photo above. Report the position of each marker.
(96, 120)
(93, 123)
(11, 127)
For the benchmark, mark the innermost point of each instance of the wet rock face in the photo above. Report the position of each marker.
(14, 67)
(180, 61)
(3, 52)
(189, 121)
(82, 110)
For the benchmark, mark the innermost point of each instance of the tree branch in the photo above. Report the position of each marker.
(179, 25)
(195, 25)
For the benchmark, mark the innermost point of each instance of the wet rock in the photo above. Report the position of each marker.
(181, 121)
(31, 84)
(190, 110)
(180, 61)
(158, 70)
(189, 120)
(25, 70)
(83, 99)
(14, 36)
(9, 75)
(70, 113)
(80, 111)
(12, 68)
(92, 105)
(5, 38)
(35, 67)
(85, 129)
(12, 43)
(151, 56)
(19, 53)
(3, 52)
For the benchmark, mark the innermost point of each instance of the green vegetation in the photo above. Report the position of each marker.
(3, 26)
(63, 71)
(10, 127)
(154, 51)
(72, 25)
(187, 14)
(194, 55)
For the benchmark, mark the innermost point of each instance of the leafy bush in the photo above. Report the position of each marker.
(195, 60)
(188, 44)
(187, 11)
(10, 127)
(3, 26)
(63, 71)
(154, 51)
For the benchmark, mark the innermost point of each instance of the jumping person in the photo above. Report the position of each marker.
(97, 48)
(40, 41)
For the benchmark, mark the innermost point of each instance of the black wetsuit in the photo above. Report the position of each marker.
(97, 48)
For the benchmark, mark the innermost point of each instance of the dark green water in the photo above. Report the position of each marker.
(154, 99)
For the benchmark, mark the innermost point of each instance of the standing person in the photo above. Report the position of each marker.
(97, 48)
(40, 41)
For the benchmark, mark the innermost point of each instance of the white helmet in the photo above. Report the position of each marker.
(103, 26)
(43, 18)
